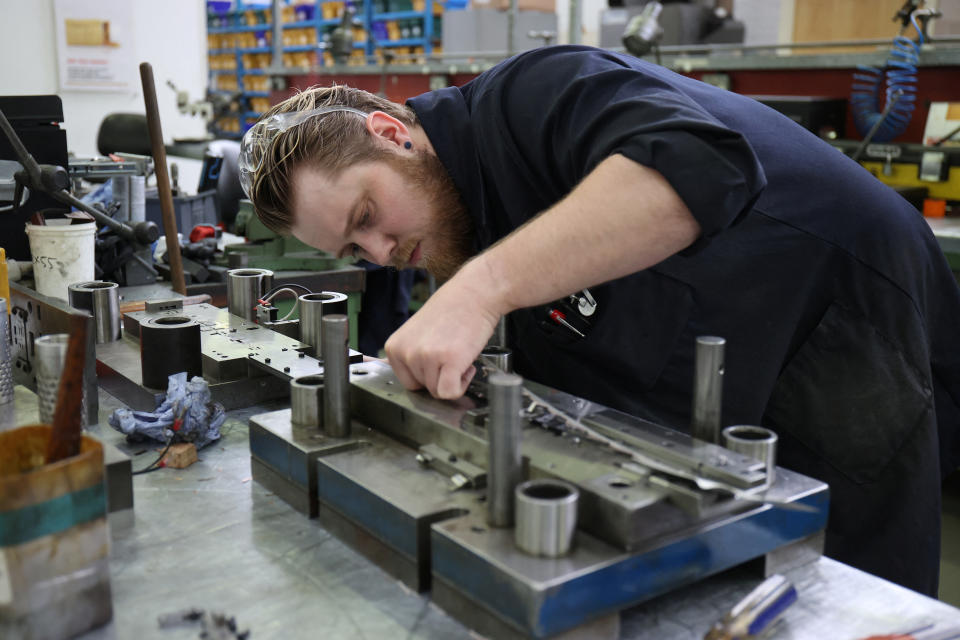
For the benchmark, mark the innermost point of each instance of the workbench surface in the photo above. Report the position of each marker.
(209, 537)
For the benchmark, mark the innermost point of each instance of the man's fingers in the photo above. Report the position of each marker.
(453, 382)
(404, 375)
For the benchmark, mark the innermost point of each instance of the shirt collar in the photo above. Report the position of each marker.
(446, 119)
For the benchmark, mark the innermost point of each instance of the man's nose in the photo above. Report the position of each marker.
(380, 247)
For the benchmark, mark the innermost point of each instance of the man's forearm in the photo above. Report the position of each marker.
(622, 218)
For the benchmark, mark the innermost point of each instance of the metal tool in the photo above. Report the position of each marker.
(756, 613)
(708, 388)
(504, 462)
(6, 364)
(558, 316)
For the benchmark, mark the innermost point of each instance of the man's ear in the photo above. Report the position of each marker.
(387, 129)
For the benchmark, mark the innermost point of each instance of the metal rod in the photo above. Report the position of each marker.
(27, 160)
(163, 179)
(708, 388)
(504, 463)
(276, 49)
(336, 386)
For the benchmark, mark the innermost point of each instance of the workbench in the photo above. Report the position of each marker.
(210, 537)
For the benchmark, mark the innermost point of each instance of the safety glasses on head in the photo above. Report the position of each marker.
(258, 140)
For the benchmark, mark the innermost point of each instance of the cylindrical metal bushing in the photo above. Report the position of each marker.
(500, 358)
(51, 354)
(244, 288)
(503, 431)
(306, 400)
(546, 517)
(313, 306)
(708, 388)
(168, 345)
(756, 442)
(336, 375)
(6, 365)
(102, 300)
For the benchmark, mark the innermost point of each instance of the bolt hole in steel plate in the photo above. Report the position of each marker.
(619, 483)
(359, 372)
(476, 529)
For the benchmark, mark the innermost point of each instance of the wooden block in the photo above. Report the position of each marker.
(180, 456)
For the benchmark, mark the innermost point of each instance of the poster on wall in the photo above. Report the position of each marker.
(95, 45)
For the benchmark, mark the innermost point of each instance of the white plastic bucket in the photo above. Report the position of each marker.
(62, 255)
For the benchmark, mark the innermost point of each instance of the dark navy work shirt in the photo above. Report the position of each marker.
(834, 298)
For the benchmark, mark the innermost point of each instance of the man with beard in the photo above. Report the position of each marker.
(616, 211)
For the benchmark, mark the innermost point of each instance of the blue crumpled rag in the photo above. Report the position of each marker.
(190, 400)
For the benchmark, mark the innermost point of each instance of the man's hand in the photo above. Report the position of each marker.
(437, 346)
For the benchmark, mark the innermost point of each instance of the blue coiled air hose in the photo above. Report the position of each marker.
(899, 79)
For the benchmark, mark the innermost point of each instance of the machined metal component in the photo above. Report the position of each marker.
(336, 388)
(708, 388)
(462, 473)
(306, 401)
(102, 300)
(51, 353)
(313, 306)
(6, 364)
(756, 442)
(546, 514)
(168, 345)
(504, 469)
(499, 337)
(244, 288)
(498, 357)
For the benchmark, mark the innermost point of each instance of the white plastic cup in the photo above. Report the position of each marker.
(62, 255)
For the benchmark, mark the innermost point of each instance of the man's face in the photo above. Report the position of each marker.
(397, 211)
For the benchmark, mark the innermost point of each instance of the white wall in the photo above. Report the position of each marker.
(169, 34)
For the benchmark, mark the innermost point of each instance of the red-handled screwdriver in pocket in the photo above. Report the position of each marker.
(558, 317)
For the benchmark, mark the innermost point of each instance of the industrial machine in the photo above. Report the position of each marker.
(527, 512)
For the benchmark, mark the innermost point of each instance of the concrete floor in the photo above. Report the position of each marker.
(950, 542)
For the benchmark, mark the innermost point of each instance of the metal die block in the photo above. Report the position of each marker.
(544, 597)
(381, 501)
(283, 457)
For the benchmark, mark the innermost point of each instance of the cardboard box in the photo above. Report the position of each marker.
(548, 6)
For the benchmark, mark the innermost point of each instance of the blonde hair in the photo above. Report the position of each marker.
(331, 142)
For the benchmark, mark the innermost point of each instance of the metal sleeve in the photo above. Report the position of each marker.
(306, 400)
(313, 306)
(168, 345)
(708, 388)
(498, 357)
(244, 288)
(546, 517)
(336, 375)
(51, 355)
(503, 470)
(102, 300)
(756, 442)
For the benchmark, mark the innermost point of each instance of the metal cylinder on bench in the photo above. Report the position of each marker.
(336, 375)
(313, 307)
(6, 364)
(51, 355)
(500, 358)
(504, 469)
(244, 288)
(708, 388)
(306, 401)
(756, 442)
(546, 514)
(102, 300)
(168, 345)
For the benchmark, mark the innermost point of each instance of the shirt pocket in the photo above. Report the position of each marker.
(850, 396)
